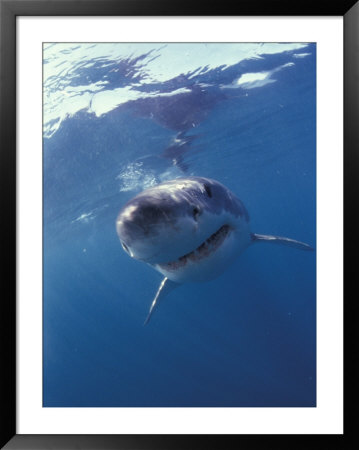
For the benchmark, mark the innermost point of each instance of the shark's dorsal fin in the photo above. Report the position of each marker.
(166, 286)
(281, 240)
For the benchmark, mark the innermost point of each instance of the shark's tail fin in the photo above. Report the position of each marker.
(166, 286)
(281, 240)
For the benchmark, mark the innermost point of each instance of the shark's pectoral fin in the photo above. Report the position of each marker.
(281, 240)
(166, 286)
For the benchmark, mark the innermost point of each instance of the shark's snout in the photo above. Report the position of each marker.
(142, 221)
(147, 227)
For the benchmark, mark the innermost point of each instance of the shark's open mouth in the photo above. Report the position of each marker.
(209, 246)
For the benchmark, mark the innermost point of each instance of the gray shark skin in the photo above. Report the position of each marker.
(188, 229)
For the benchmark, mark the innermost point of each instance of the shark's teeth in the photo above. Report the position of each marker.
(203, 251)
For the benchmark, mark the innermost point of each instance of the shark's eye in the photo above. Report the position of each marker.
(208, 189)
(195, 212)
(124, 246)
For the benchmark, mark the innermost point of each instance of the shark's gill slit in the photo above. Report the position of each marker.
(203, 251)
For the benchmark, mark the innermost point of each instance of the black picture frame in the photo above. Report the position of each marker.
(9, 10)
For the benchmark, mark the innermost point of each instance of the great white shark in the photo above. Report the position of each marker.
(188, 229)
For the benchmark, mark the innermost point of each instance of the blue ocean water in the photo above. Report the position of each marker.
(119, 118)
